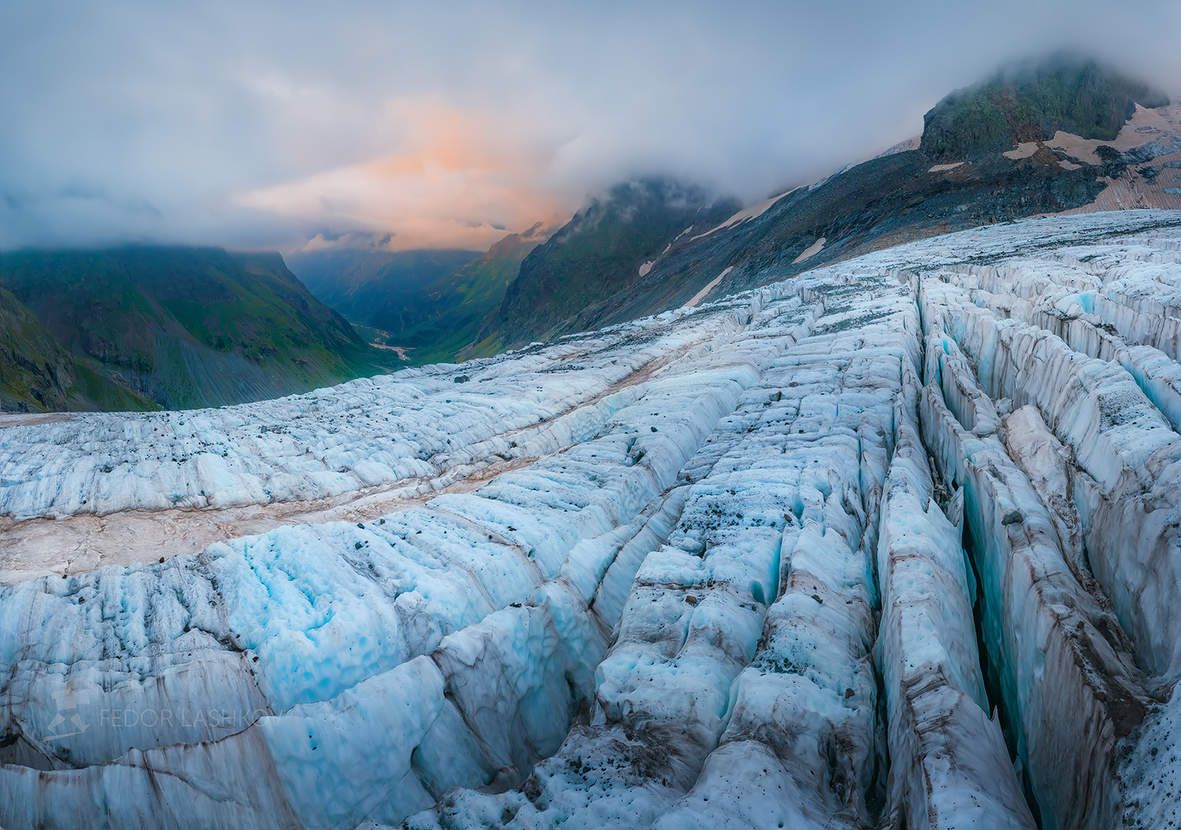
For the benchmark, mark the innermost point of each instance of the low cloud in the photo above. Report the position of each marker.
(266, 124)
(455, 182)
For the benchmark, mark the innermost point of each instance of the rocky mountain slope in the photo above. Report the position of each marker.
(1060, 135)
(609, 245)
(893, 543)
(175, 328)
(1033, 103)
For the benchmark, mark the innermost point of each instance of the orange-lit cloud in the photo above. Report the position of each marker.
(455, 181)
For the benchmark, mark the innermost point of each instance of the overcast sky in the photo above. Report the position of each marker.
(262, 124)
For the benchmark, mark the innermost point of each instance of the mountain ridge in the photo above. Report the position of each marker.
(912, 193)
(609, 244)
(183, 326)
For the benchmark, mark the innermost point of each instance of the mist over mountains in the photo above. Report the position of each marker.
(257, 128)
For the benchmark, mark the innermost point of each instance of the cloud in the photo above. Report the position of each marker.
(455, 181)
(262, 124)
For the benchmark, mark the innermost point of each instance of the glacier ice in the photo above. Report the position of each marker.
(892, 544)
(948, 758)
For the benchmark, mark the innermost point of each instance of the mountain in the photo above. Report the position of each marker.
(376, 287)
(1032, 103)
(456, 305)
(180, 327)
(429, 303)
(1050, 136)
(184, 327)
(609, 245)
(38, 375)
(895, 543)
(997, 152)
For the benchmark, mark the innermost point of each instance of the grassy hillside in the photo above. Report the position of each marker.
(457, 304)
(602, 250)
(186, 327)
(1032, 103)
(38, 375)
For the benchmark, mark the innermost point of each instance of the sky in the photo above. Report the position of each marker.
(285, 124)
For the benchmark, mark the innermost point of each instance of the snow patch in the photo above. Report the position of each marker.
(752, 212)
(811, 251)
(710, 286)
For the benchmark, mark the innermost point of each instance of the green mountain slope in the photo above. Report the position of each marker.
(1031, 103)
(378, 288)
(457, 304)
(604, 249)
(186, 327)
(38, 375)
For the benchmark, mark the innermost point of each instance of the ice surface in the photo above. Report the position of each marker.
(892, 544)
(948, 759)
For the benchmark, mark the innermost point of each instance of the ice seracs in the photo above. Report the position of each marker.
(892, 544)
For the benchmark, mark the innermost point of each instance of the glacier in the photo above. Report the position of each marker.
(893, 544)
